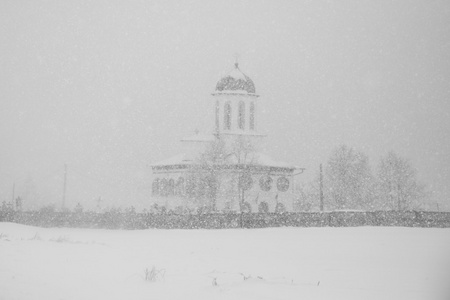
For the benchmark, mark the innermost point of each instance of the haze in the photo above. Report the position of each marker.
(108, 87)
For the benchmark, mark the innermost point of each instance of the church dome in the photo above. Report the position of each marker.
(236, 81)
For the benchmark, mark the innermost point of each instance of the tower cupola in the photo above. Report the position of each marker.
(236, 81)
(235, 104)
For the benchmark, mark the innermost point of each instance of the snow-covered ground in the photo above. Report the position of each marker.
(279, 263)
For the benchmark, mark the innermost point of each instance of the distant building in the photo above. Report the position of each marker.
(222, 170)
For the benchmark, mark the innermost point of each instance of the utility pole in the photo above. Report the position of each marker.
(321, 188)
(64, 188)
(13, 191)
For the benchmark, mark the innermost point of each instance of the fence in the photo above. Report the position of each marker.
(132, 220)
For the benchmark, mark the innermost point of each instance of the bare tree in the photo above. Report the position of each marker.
(243, 151)
(308, 195)
(203, 179)
(398, 187)
(348, 179)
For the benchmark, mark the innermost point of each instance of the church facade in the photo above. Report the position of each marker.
(221, 170)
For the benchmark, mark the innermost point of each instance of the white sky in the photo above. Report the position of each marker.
(108, 87)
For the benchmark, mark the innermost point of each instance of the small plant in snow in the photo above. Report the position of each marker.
(36, 237)
(3, 236)
(154, 274)
(61, 239)
(246, 277)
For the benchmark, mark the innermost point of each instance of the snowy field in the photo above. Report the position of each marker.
(277, 263)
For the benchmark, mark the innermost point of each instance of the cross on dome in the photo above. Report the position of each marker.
(236, 81)
(236, 60)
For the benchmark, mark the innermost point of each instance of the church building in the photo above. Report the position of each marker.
(222, 169)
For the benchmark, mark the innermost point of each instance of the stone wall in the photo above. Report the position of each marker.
(131, 220)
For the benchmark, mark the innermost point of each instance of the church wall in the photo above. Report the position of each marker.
(256, 194)
(168, 199)
(228, 198)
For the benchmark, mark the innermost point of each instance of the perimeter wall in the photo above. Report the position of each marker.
(132, 220)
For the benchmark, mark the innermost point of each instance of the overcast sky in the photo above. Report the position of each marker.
(108, 87)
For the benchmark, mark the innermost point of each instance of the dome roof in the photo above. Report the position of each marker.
(236, 81)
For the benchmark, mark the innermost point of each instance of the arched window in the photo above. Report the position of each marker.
(217, 115)
(241, 116)
(190, 187)
(252, 116)
(155, 187)
(163, 187)
(227, 116)
(171, 187)
(179, 187)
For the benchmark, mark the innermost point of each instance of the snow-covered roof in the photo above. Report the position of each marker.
(236, 81)
(199, 137)
(241, 132)
(256, 159)
(235, 93)
(237, 74)
(263, 160)
(266, 160)
(179, 159)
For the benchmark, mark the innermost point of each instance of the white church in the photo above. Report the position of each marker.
(222, 170)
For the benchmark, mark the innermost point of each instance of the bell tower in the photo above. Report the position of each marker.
(235, 105)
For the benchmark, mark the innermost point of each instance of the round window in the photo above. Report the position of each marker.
(265, 183)
(246, 182)
(283, 184)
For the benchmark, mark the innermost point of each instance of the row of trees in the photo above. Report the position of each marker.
(349, 183)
